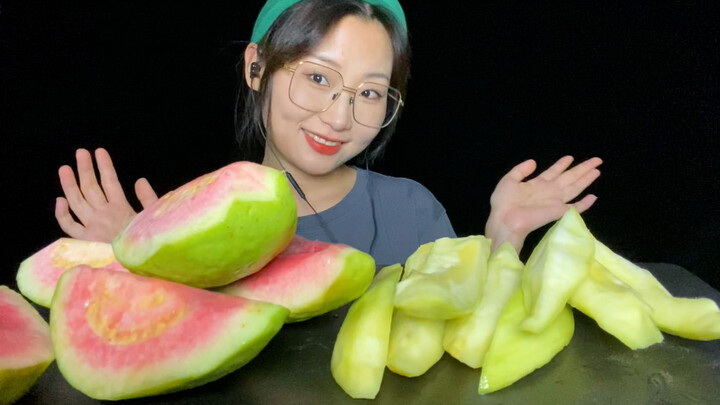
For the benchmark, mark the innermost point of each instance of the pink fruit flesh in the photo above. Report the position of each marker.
(50, 262)
(182, 204)
(134, 314)
(281, 278)
(13, 330)
(24, 335)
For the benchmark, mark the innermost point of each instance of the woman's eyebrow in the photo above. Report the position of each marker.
(378, 75)
(337, 66)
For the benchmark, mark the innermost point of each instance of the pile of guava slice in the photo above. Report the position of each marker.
(197, 284)
(508, 318)
(193, 288)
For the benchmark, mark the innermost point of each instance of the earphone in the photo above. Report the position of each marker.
(254, 70)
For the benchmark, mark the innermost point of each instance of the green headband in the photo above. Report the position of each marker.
(273, 8)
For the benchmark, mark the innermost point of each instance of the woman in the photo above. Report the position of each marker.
(324, 84)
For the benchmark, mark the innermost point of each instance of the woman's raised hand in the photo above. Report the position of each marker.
(101, 209)
(518, 207)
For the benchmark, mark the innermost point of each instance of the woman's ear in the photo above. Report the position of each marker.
(252, 69)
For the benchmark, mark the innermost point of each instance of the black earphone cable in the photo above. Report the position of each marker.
(372, 204)
(288, 175)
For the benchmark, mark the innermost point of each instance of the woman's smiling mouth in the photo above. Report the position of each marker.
(322, 145)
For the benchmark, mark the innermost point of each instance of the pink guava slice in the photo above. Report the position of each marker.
(309, 278)
(38, 274)
(213, 230)
(25, 346)
(119, 335)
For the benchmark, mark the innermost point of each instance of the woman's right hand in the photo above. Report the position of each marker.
(101, 209)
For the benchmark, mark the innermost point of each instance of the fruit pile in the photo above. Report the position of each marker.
(491, 311)
(197, 284)
(193, 288)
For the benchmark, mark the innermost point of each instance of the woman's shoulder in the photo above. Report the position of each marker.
(401, 191)
(410, 210)
(390, 184)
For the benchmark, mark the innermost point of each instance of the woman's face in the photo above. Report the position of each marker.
(316, 143)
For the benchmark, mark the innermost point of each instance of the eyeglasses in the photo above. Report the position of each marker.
(314, 87)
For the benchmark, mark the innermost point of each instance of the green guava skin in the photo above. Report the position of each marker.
(235, 360)
(252, 234)
(338, 275)
(244, 337)
(21, 370)
(241, 355)
(354, 280)
(32, 273)
(15, 383)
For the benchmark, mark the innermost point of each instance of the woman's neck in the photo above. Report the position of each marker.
(322, 191)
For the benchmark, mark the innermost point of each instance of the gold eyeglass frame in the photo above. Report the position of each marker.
(351, 90)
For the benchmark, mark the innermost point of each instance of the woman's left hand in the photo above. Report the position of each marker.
(518, 207)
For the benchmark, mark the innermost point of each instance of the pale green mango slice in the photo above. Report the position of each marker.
(691, 318)
(467, 338)
(616, 308)
(449, 282)
(515, 352)
(417, 259)
(361, 348)
(555, 268)
(415, 344)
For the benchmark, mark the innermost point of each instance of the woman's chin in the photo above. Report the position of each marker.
(322, 166)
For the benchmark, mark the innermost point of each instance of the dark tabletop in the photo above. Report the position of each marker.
(594, 368)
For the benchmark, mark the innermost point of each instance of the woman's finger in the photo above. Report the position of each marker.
(145, 192)
(74, 196)
(585, 203)
(574, 189)
(108, 177)
(88, 182)
(66, 221)
(521, 171)
(529, 218)
(557, 168)
(582, 169)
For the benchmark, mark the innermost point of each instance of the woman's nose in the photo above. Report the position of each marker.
(339, 115)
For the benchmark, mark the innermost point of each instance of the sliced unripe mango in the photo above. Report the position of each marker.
(468, 338)
(25, 346)
(557, 265)
(515, 352)
(309, 278)
(449, 281)
(360, 352)
(692, 318)
(616, 308)
(415, 344)
(417, 259)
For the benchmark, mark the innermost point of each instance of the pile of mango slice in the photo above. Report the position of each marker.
(491, 311)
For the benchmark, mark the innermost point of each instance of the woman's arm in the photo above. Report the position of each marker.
(101, 209)
(518, 207)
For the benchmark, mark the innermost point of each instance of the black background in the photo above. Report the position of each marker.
(492, 84)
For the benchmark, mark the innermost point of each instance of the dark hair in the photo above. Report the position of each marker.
(294, 34)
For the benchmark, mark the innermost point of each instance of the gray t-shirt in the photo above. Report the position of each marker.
(387, 217)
